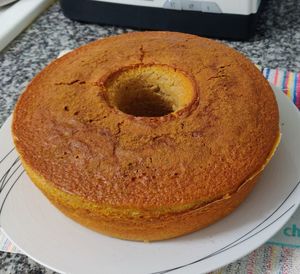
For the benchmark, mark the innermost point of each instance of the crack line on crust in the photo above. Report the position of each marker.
(70, 83)
(142, 53)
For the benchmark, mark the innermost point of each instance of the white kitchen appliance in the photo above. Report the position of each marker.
(234, 19)
(15, 16)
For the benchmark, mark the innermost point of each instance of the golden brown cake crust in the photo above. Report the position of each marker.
(66, 132)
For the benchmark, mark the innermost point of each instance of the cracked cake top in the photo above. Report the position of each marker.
(147, 120)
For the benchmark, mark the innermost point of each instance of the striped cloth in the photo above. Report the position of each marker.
(281, 254)
(267, 259)
(288, 82)
(6, 245)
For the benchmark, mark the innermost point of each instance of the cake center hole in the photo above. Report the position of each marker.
(149, 91)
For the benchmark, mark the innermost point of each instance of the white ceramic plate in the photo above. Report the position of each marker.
(57, 242)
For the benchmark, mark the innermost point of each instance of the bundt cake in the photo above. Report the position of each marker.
(147, 135)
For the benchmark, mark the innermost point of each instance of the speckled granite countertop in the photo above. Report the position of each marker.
(276, 44)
